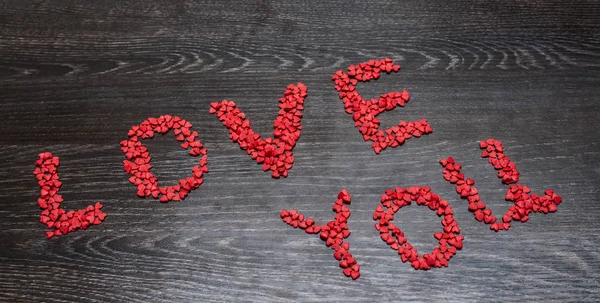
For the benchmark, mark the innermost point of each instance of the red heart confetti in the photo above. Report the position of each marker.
(333, 233)
(449, 239)
(365, 112)
(55, 217)
(274, 153)
(524, 201)
(138, 165)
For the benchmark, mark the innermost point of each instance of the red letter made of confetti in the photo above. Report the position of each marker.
(333, 233)
(274, 153)
(138, 165)
(449, 239)
(524, 202)
(365, 112)
(53, 215)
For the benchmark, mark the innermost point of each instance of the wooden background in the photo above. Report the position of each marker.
(76, 75)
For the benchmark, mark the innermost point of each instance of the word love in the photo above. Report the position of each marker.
(524, 203)
(274, 153)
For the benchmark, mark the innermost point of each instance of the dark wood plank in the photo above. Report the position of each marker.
(74, 77)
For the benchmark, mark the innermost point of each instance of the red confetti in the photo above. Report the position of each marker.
(55, 217)
(333, 233)
(274, 153)
(524, 201)
(365, 112)
(449, 239)
(138, 165)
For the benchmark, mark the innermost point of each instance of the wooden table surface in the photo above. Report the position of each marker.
(76, 75)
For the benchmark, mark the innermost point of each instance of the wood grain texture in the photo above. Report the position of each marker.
(75, 75)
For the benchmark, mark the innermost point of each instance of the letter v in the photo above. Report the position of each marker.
(274, 153)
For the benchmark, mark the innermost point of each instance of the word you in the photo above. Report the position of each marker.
(524, 203)
(275, 154)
